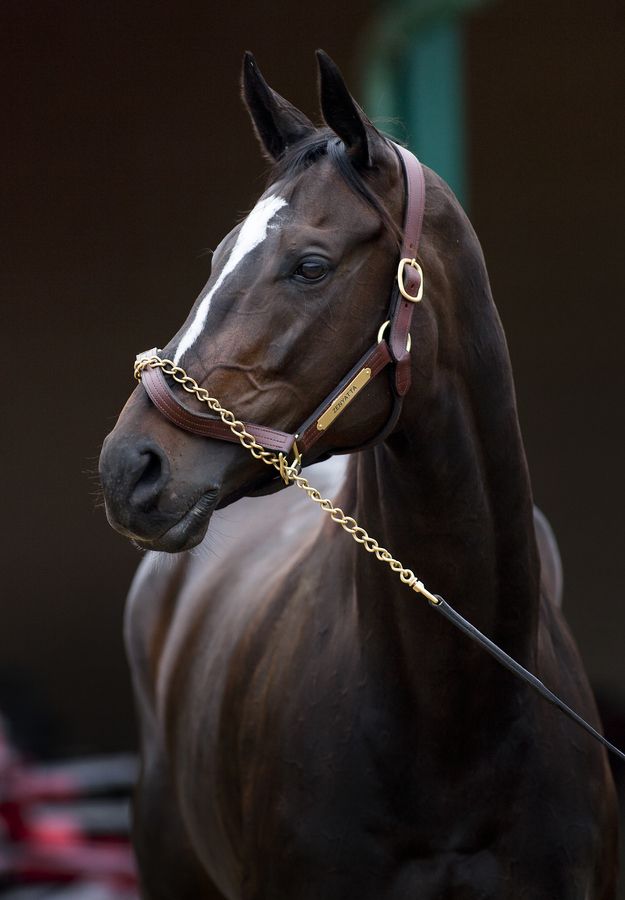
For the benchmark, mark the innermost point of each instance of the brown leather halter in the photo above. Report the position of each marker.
(407, 291)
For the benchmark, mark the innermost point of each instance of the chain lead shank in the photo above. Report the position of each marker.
(289, 473)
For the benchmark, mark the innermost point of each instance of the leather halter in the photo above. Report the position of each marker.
(407, 291)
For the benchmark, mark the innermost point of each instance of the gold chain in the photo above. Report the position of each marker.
(290, 473)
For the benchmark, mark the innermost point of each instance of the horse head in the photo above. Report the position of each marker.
(297, 293)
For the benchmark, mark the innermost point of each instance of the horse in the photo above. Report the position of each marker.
(310, 728)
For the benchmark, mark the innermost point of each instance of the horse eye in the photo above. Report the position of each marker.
(311, 270)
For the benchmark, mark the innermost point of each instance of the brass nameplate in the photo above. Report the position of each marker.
(343, 399)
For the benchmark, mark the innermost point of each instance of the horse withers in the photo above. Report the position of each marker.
(310, 728)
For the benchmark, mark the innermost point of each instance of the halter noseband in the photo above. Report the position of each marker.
(394, 348)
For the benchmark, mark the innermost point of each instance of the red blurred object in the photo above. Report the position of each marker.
(66, 824)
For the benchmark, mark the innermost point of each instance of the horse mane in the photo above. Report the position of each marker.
(325, 143)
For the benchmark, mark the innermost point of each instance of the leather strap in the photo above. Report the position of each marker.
(374, 359)
(517, 669)
(402, 309)
(203, 424)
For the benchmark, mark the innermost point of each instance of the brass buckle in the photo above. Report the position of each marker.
(288, 472)
(400, 279)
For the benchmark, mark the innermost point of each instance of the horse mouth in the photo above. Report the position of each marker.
(187, 532)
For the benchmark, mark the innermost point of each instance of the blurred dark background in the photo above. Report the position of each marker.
(126, 154)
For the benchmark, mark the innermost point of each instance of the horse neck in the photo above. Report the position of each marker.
(449, 495)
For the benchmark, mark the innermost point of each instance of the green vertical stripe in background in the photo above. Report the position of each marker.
(413, 69)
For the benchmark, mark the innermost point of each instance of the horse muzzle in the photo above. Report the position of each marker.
(144, 502)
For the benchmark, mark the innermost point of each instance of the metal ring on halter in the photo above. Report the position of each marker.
(400, 279)
(288, 472)
(382, 329)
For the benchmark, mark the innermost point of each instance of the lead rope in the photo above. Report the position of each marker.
(291, 475)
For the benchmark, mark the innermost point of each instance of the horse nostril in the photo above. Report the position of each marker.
(151, 475)
(153, 468)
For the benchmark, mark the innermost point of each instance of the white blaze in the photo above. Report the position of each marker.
(253, 232)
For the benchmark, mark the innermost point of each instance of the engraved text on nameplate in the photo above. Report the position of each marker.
(345, 397)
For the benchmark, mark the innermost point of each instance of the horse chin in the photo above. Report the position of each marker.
(186, 532)
(190, 530)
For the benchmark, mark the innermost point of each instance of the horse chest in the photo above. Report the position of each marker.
(326, 821)
(327, 784)
(304, 768)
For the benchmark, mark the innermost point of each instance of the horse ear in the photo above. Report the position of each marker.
(277, 123)
(343, 114)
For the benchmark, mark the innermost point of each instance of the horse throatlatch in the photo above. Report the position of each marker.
(273, 447)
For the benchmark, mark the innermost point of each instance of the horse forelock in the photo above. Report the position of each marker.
(325, 144)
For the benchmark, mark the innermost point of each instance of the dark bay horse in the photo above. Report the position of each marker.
(311, 729)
